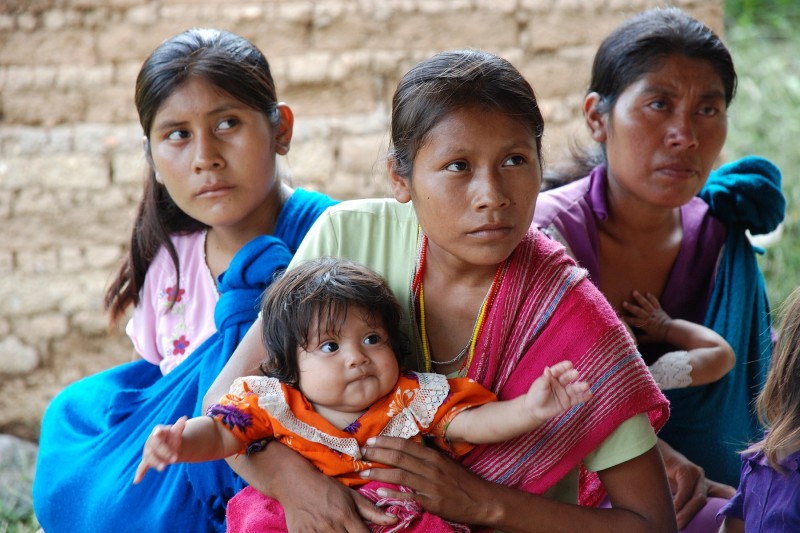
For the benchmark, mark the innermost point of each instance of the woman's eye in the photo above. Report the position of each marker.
(372, 339)
(177, 135)
(227, 124)
(329, 347)
(658, 105)
(709, 111)
(514, 161)
(457, 166)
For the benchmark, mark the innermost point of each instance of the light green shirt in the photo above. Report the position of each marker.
(382, 234)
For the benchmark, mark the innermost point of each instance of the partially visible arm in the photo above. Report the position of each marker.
(709, 364)
(638, 490)
(187, 441)
(205, 439)
(710, 355)
(552, 393)
(283, 474)
(691, 488)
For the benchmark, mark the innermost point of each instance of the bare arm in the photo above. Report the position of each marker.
(283, 474)
(710, 355)
(690, 487)
(552, 393)
(187, 441)
(638, 490)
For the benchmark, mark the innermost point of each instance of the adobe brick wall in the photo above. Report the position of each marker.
(70, 145)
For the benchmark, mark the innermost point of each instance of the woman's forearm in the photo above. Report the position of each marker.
(269, 470)
(283, 474)
(516, 511)
(638, 490)
(640, 503)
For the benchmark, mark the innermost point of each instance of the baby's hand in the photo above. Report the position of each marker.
(161, 449)
(555, 391)
(646, 314)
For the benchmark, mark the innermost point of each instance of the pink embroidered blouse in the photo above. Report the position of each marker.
(166, 335)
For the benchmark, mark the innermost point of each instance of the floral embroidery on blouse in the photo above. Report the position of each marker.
(402, 400)
(258, 446)
(231, 416)
(174, 302)
(173, 296)
(354, 426)
(179, 345)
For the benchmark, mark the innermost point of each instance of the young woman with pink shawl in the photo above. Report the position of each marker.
(489, 298)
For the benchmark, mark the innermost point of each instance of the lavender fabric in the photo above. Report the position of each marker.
(767, 500)
(572, 211)
(709, 424)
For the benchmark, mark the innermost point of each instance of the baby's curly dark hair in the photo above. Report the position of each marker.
(315, 296)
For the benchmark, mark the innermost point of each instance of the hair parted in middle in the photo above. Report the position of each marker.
(233, 65)
(316, 296)
(455, 80)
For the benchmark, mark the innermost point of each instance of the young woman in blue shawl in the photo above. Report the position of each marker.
(214, 224)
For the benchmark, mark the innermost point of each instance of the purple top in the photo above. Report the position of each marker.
(569, 214)
(767, 500)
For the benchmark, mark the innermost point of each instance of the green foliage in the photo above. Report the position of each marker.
(14, 520)
(25, 525)
(776, 14)
(765, 120)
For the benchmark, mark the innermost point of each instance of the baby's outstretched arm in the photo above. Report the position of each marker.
(552, 393)
(186, 441)
(706, 356)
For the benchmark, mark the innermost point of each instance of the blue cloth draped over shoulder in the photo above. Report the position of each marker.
(94, 430)
(711, 423)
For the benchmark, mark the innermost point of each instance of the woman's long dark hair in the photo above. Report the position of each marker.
(227, 61)
(639, 46)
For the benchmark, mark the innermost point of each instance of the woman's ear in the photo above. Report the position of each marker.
(399, 185)
(595, 119)
(283, 135)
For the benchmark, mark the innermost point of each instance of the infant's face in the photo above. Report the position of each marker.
(348, 370)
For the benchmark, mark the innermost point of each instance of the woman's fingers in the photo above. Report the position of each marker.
(394, 451)
(371, 513)
(439, 485)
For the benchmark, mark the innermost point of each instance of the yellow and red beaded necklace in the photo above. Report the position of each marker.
(418, 290)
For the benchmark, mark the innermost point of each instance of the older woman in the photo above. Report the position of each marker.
(657, 107)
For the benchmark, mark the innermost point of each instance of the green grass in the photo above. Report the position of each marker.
(12, 523)
(765, 120)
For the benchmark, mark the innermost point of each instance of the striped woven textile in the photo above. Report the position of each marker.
(546, 311)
